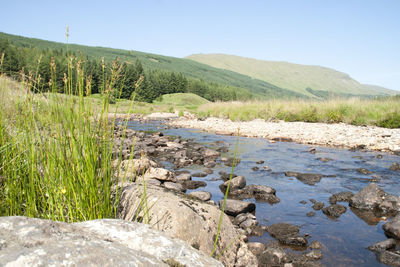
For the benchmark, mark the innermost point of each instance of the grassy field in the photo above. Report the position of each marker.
(383, 112)
(294, 77)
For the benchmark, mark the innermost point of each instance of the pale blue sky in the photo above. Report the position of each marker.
(359, 37)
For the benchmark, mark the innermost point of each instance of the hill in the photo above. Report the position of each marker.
(189, 68)
(183, 99)
(302, 79)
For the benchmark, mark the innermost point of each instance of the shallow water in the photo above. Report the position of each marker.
(345, 240)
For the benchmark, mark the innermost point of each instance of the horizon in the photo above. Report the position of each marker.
(359, 38)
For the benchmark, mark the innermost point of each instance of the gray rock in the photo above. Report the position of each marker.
(193, 184)
(174, 186)
(307, 178)
(209, 164)
(272, 256)
(135, 167)
(237, 182)
(314, 254)
(318, 205)
(315, 245)
(231, 162)
(245, 221)
(191, 220)
(159, 174)
(211, 154)
(260, 162)
(202, 195)
(235, 207)
(395, 167)
(287, 234)
(184, 177)
(310, 214)
(36, 242)
(344, 196)
(334, 210)
(199, 174)
(364, 171)
(383, 245)
(256, 247)
(259, 192)
(392, 228)
(391, 258)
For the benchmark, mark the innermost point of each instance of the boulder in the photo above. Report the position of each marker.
(334, 210)
(237, 182)
(235, 207)
(191, 220)
(174, 186)
(184, 177)
(383, 245)
(160, 174)
(135, 167)
(287, 234)
(107, 242)
(202, 195)
(193, 184)
(259, 192)
(392, 228)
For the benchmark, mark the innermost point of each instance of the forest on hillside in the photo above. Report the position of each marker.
(48, 66)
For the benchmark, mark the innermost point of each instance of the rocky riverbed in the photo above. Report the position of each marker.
(335, 135)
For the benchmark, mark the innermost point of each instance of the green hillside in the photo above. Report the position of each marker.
(190, 68)
(319, 80)
(182, 99)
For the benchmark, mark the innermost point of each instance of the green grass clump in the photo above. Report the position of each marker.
(56, 150)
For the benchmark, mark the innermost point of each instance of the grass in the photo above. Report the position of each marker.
(383, 112)
(56, 159)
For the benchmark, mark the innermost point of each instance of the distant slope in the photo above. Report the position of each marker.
(183, 99)
(190, 68)
(294, 77)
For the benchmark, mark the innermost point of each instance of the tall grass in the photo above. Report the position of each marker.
(384, 112)
(55, 151)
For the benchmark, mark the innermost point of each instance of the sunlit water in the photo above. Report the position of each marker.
(345, 240)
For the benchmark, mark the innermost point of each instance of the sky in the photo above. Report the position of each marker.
(358, 37)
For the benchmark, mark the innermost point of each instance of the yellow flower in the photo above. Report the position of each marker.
(63, 191)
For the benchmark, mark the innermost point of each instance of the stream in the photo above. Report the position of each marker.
(345, 239)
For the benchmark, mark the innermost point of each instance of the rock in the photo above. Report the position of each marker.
(324, 159)
(391, 258)
(260, 162)
(334, 210)
(191, 220)
(184, 177)
(226, 176)
(314, 254)
(318, 205)
(174, 186)
(313, 200)
(312, 150)
(193, 184)
(287, 234)
(256, 247)
(199, 174)
(245, 220)
(202, 195)
(235, 207)
(154, 182)
(392, 228)
(209, 164)
(383, 245)
(303, 202)
(209, 171)
(160, 174)
(210, 154)
(310, 214)
(372, 197)
(315, 245)
(238, 182)
(37, 242)
(395, 167)
(307, 178)
(272, 256)
(364, 171)
(255, 168)
(259, 192)
(258, 230)
(232, 162)
(344, 196)
(135, 167)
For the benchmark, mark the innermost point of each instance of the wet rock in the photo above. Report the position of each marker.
(226, 176)
(314, 254)
(266, 168)
(383, 245)
(135, 167)
(344, 196)
(260, 162)
(395, 167)
(223, 149)
(307, 178)
(37, 242)
(232, 162)
(255, 168)
(256, 247)
(315, 245)
(174, 186)
(324, 159)
(202, 195)
(391, 258)
(210, 154)
(209, 171)
(238, 182)
(287, 234)
(364, 171)
(372, 197)
(209, 164)
(392, 228)
(159, 174)
(183, 177)
(258, 230)
(318, 205)
(199, 174)
(282, 139)
(310, 214)
(188, 219)
(236, 207)
(272, 256)
(259, 192)
(312, 150)
(193, 184)
(303, 202)
(334, 210)
(368, 216)
(245, 221)
(313, 200)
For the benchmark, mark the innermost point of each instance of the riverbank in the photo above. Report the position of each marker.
(320, 134)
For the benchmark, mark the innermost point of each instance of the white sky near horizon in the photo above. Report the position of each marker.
(358, 37)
